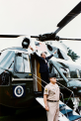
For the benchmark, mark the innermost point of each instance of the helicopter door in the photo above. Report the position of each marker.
(22, 65)
(22, 81)
(39, 77)
(36, 74)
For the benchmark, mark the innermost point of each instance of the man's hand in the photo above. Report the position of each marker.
(46, 107)
(31, 48)
(55, 52)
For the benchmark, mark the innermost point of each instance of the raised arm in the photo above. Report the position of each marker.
(37, 56)
(52, 55)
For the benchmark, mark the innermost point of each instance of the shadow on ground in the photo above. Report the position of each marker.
(36, 113)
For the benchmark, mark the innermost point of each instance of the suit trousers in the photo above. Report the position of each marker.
(45, 77)
(53, 113)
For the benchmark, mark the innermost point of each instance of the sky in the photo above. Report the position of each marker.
(34, 17)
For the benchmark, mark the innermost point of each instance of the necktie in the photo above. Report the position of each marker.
(46, 62)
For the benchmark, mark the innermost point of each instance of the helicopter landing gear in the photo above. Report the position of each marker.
(76, 101)
(78, 110)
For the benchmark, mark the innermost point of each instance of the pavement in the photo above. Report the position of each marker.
(36, 113)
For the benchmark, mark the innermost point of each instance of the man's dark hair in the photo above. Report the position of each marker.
(43, 52)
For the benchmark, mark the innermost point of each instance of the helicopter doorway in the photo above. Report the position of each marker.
(36, 76)
(39, 79)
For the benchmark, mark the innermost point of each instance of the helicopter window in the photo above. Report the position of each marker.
(64, 55)
(26, 63)
(19, 63)
(61, 54)
(49, 47)
(22, 63)
(7, 59)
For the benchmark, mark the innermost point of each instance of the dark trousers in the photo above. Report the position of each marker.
(44, 76)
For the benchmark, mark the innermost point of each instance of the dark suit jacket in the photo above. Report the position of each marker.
(43, 64)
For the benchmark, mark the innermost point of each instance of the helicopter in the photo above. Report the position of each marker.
(69, 71)
(20, 81)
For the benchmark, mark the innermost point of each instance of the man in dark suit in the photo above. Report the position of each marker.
(44, 69)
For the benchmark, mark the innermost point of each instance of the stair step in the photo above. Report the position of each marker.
(74, 117)
(61, 106)
(67, 112)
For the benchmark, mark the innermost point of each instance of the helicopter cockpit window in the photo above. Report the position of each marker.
(51, 49)
(64, 55)
(61, 54)
(22, 63)
(6, 63)
(7, 60)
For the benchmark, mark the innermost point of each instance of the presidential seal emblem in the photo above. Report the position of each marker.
(18, 91)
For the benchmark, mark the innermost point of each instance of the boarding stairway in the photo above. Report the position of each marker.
(69, 113)
(65, 112)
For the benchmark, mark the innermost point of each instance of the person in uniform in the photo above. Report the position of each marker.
(44, 69)
(51, 99)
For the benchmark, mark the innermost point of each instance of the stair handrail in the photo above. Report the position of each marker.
(72, 93)
(40, 79)
(47, 83)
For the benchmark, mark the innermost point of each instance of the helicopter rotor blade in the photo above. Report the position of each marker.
(70, 39)
(9, 36)
(71, 15)
(34, 36)
(47, 37)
